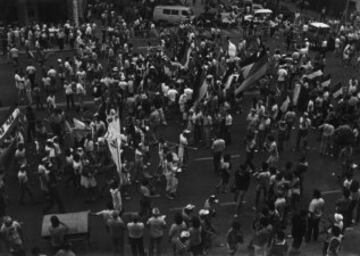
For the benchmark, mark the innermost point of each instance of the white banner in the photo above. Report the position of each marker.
(113, 138)
(9, 122)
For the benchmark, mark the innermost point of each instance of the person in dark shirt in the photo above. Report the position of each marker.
(241, 185)
(298, 229)
(301, 168)
(31, 120)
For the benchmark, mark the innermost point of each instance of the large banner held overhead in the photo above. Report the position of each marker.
(113, 138)
(9, 123)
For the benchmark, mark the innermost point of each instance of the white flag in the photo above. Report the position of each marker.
(232, 50)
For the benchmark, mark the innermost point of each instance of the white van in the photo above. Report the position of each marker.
(172, 14)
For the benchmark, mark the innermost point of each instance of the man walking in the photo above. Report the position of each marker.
(316, 209)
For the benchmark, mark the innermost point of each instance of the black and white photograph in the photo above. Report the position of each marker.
(179, 127)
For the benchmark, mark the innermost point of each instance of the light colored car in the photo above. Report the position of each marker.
(259, 16)
(172, 14)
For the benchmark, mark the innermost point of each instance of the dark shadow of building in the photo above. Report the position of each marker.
(27, 11)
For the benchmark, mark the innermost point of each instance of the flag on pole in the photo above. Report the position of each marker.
(296, 94)
(314, 75)
(337, 90)
(79, 124)
(252, 72)
(232, 50)
(285, 105)
(202, 91)
(230, 80)
(326, 81)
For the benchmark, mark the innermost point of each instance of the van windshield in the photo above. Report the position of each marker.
(187, 13)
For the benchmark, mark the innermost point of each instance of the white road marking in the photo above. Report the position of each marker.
(180, 208)
(330, 192)
(210, 158)
(175, 209)
(228, 203)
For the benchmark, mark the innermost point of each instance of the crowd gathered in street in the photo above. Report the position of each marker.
(195, 79)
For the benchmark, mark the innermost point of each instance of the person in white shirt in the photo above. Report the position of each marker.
(20, 85)
(69, 94)
(316, 209)
(24, 184)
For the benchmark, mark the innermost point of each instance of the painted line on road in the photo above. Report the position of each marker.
(228, 203)
(210, 158)
(330, 192)
(175, 209)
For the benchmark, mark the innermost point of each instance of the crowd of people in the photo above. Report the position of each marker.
(187, 76)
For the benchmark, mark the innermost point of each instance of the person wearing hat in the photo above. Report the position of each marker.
(208, 231)
(210, 204)
(156, 225)
(187, 213)
(11, 232)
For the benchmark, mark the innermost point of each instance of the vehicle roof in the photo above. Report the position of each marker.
(319, 25)
(173, 7)
(263, 11)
